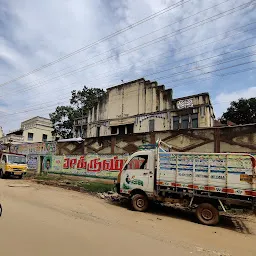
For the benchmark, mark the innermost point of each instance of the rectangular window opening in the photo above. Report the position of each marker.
(30, 136)
(121, 129)
(44, 137)
(130, 128)
(194, 120)
(176, 122)
(151, 125)
(185, 122)
(98, 132)
(114, 130)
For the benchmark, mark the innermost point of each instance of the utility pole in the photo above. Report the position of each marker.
(82, 123)
(9, 145)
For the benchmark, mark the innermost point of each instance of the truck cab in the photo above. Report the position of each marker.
(138, 173)
(12, 165)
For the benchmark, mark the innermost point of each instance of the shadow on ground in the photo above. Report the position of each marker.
(231, 222)
(234, 223)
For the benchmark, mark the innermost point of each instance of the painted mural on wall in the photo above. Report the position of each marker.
(3, 147)
(91, 165)
(40, 148)
(47, 163)
(32, 161)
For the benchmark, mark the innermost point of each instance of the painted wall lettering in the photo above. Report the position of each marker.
(187, 103)
(104, 166)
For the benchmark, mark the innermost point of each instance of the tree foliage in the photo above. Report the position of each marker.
(242, 111)
(86, 98)
(80, 103)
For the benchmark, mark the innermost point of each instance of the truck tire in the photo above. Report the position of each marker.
(207, 214)
(140, 202)
(20, 176)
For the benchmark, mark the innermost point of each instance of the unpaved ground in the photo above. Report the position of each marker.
(44, 220)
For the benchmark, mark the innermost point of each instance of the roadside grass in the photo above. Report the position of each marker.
(63, 181)
(96, 187)
(49, 177)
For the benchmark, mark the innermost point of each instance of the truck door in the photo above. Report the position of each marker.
(138, 174)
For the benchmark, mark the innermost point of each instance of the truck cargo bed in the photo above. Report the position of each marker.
(223, 174)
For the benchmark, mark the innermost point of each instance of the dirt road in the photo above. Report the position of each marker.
(41, 220)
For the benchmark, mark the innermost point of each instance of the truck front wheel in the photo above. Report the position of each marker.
(140, 202)
(207, 214)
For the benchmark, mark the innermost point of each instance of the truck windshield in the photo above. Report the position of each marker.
(13, 159)
(138, 162)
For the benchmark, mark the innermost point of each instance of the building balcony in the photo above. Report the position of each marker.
(13, 139)
(80, 122)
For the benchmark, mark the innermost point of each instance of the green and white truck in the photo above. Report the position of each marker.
(203, 182)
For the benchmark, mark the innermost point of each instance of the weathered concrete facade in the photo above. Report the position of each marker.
(70, 148)
(80, 127)
(142, 106)
(37, 129)
(214, 139)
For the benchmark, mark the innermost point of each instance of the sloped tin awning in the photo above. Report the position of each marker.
(122, 121)
(71, 140)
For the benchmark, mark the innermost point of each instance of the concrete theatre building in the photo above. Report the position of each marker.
(142, 106)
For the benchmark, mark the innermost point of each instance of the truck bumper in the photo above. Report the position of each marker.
(15, 173)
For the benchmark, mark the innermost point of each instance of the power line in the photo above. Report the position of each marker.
(210, 77)
(152, 16)
(177, 51)
(207, 66)
(186, 78)
(210, 19)
(208, 58)
(214, 6)
(209, 72)
(188, 64)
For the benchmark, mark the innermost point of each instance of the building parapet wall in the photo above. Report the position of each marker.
(240, 138)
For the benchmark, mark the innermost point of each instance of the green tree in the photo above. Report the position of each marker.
(86, 98)
(242, 111)
(80, 103)
(62, 120)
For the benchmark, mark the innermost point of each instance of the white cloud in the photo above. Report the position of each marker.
(34, 33)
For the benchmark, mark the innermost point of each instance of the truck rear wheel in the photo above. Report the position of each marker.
(207, 214)
(140, 203)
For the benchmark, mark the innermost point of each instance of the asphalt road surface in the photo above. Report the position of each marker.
(42, 220)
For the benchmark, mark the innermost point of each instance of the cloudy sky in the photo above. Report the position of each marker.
(193, 46)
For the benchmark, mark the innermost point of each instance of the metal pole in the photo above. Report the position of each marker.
(82, 122)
